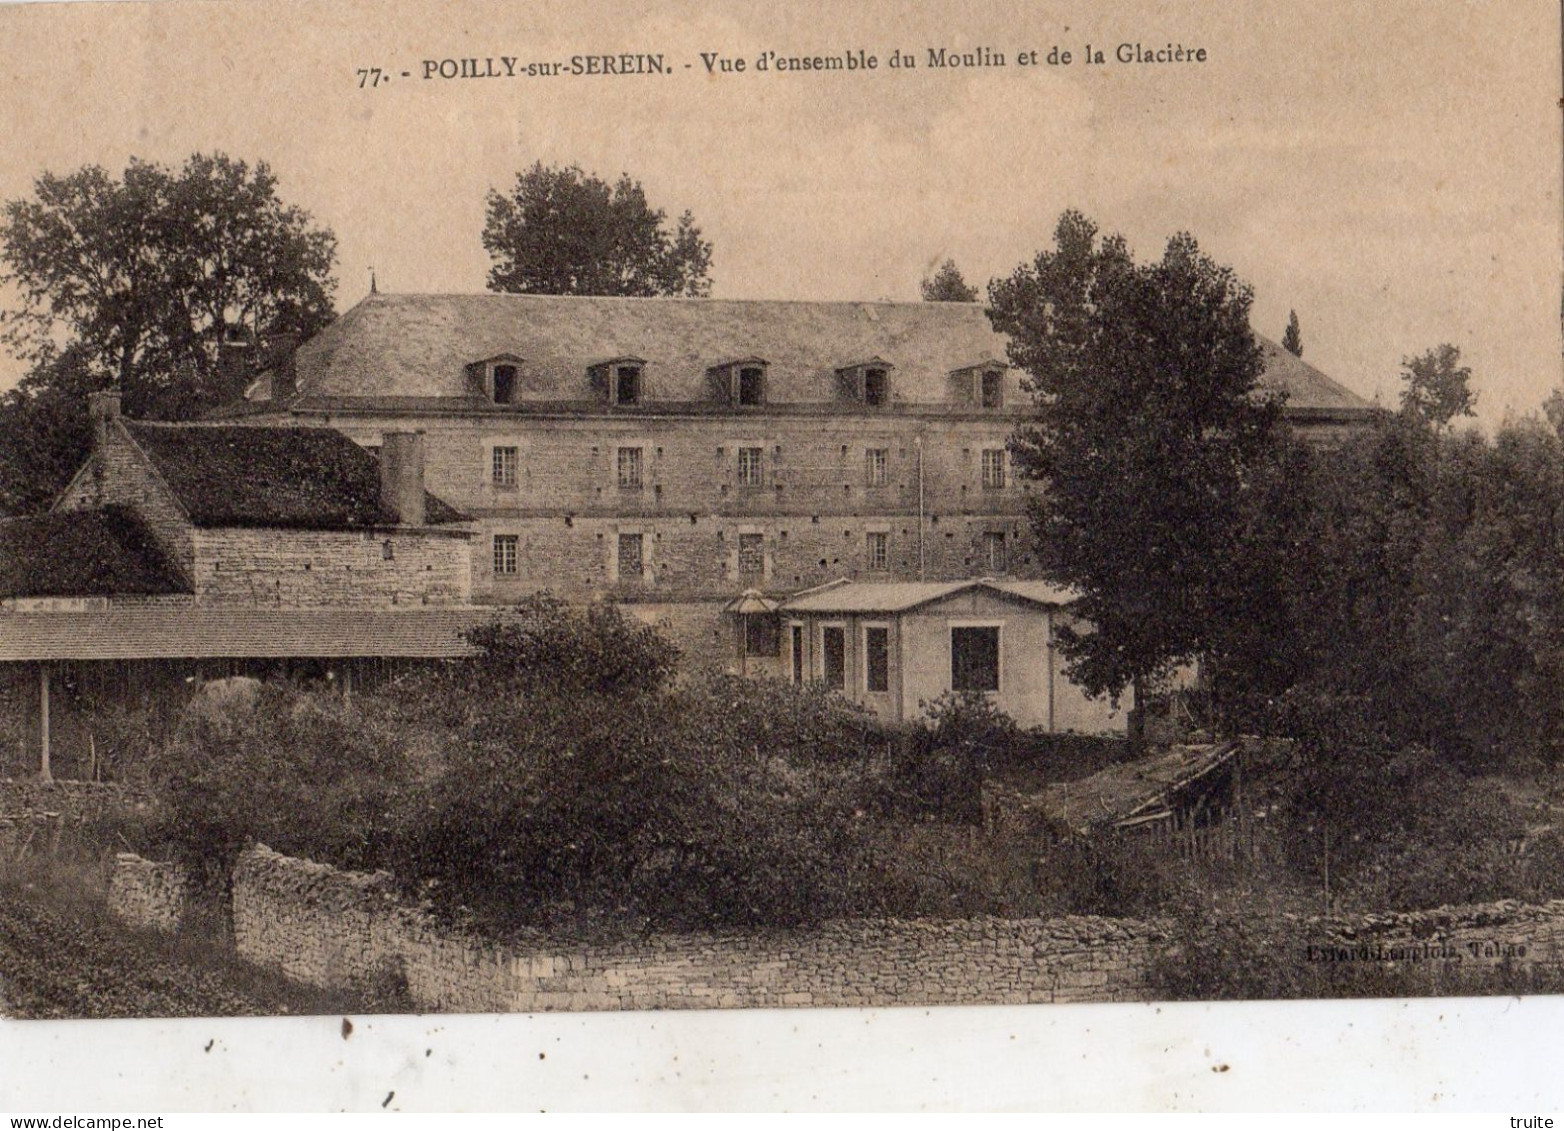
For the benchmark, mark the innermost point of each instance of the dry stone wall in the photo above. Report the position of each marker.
(332, 928)
(341, 929)
(145, 893)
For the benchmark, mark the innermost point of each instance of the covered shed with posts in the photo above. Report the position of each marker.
(1189, 799)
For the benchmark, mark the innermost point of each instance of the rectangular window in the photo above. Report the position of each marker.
(505, 555)
(505, 462)
(752, 555)
(877, 659)
(876, 388)
(752, 467)
(504, 384)
(630, 469)
(875, 462)
(762, 635)
(974, 659)
(752, 387)
(994, 551)
(833, 656)
(630, 560)
(993, 468)
(798, 653)
(993, 389)
(627, 385)
(877, 550)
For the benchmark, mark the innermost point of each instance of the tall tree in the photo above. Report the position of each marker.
(1292, 339)
(1157, 450)
(1438, 386)
(947, 285)
(139, 282)
(149, 274)
(564, 232)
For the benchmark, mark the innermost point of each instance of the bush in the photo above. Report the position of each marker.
(307, 773)
(726, 802)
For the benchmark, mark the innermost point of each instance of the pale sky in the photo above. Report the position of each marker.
(1391, 171)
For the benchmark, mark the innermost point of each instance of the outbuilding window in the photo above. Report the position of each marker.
(974, 658)
(833, 656)
(876, 658)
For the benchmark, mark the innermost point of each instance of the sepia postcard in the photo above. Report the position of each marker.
(700, 556)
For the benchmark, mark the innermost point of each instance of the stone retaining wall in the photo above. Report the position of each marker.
(145, 893)
(338, 929)
(332, 928)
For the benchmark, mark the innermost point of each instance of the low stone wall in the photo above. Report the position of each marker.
(146, 893)
(332, 928)
(73, 801)
(1508, 933)
(343, 929)
(36, 815)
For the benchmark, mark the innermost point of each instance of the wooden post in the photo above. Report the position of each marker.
(43, 723)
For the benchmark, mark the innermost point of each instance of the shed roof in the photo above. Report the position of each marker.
(420, 346)
(901, 596)
(1124, 790)
(83, 553)
(226, 633)
(313, 478)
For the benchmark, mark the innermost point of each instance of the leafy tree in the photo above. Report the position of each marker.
(1437, 386)
(1157, 451)
(148, 275)
(947, 285)
(137, 282)
(1292, 340)
(564, 232)
(1553, 409)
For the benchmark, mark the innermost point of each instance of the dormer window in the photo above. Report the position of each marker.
(627, 384)
(752, 385)
(504, 384)
(991, 388)
(868, 382)
(621, 381)
(981, 385)
(500, 377)
(740, 382)
(876, 387)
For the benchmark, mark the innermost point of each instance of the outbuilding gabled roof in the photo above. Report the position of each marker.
(311, 478)
(83, 553)
(902, 596)
(392, 348)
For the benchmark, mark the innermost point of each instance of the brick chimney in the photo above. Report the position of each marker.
(281, 358)
(102, 409)
(402, 476)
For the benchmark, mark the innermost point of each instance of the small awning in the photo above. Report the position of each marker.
(751, 602)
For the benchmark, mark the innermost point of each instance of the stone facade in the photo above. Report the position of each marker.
(331, 568)
(813, 504)
(117, 473)
(267, 566)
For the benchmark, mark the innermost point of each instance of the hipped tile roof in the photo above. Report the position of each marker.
(83, 553)
(394, 347)
(313, 478)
